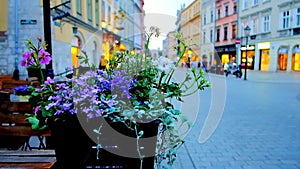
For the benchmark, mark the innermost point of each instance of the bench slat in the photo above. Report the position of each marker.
(16, 118)
(15, 106)
(5, 152)
(21, 131)
(27, 159)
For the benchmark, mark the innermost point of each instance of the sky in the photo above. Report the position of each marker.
(162, 14)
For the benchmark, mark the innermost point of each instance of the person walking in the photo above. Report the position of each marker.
(226, 69)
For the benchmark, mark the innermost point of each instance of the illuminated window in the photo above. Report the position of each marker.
(282, 58)
(265, 60)
(75, 50)
(296, 59)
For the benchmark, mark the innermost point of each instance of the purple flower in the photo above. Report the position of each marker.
(49, 81)
(27, 59)
(44, 57)
(36, 109)
(58, 112)
(66, 106)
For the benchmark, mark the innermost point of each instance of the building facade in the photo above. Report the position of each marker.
(226, 30)
(139, 14)
(274, 36)
(77, 25)
(125, 26)
(190, 27)
(170, 46)
(207, 49)
(22, 25)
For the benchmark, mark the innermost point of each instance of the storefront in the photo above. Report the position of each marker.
(226, 53)
(248, 52)
(264, 56)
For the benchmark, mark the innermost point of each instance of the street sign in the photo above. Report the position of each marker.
(237, 41)
(28, 22)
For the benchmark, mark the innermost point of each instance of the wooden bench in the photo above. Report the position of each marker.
(13, 128)
(8, 85)
(6, 77)
(13, 123)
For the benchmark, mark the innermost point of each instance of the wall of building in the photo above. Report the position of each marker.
(208, 33)
(23, 24)
(275, 47)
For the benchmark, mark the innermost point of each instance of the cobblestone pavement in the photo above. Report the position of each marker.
(259, 128)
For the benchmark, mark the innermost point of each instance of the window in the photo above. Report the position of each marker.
(245, 4)
(211, 36)
(109, 15)
(234, 31)
(255, 2)
(103, 11)
(211, 16)
(235, 8)
(89, 10)
(219, 14)
(204, 36)
(226, 11)
(285, 19)
(204, 19)
(78, 7)
(97, 12)
(218, 35)
(225, 32)
(266, 23)
(298, 17)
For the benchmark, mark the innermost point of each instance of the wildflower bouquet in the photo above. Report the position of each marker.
(132, 90)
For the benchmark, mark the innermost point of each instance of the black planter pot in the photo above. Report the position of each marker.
(35, 72)
(73, 141)
(72, 145)
(119, 146)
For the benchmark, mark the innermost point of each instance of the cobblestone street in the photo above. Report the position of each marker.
(259, 128)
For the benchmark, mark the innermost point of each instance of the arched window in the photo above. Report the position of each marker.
(296, 58)
(75, 50)
(282, 58)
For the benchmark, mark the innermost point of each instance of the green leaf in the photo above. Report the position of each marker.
(35, 122)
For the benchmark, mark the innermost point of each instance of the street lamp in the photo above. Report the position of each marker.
(247, 32)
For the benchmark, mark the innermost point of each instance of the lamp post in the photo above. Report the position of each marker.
(247, 32)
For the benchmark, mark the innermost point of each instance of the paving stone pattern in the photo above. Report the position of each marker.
(259, 129)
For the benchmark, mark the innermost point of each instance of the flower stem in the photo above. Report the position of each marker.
(138, 147)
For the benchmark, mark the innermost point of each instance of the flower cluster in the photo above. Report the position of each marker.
(23, 90)
(36, 56)
(133, 88)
